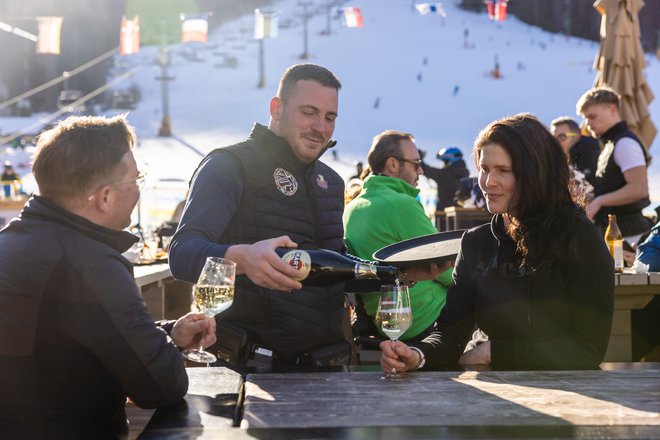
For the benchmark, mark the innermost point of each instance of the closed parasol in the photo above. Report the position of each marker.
(620, 64)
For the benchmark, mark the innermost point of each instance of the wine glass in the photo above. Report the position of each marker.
(394, 315)
(213, 293)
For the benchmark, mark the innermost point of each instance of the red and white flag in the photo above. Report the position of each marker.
(48, 40)
(352, 17)
(265, 25)
(195, 27)
(129, 36)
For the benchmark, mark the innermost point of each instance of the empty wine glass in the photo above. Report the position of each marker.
(394, 315)
(213, 293)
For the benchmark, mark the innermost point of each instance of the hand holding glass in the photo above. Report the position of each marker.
(213, 293)
(394, 315)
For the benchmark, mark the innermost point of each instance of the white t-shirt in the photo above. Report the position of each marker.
(628, 154)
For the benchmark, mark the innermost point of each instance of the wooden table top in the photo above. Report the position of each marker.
(620, 402)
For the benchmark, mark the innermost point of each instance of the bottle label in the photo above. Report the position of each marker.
(299, 260)
(617, 253)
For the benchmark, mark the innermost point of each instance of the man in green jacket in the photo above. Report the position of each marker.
(386, 211)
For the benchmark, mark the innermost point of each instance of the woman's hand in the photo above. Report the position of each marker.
(397, 356)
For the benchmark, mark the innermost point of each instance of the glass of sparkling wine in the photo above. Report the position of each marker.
(213, 293)
(394, 315)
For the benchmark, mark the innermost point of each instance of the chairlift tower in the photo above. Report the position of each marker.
(166, 123)
(305, 17)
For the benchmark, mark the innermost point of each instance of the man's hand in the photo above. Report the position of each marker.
(397, 356)
(263, 266)
(188, 330)
(430, 272)
(479, 355)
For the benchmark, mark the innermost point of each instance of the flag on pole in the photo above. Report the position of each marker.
(490, 6)
(426, 8)
(352, 17)
(195, 28)
(500, 10)
(265, 25)
(48, 39)
(129, 36)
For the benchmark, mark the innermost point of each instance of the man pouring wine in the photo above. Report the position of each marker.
(269, 191)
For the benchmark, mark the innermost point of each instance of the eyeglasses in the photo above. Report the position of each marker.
(417, 163)
(139, 182)
(561, 137)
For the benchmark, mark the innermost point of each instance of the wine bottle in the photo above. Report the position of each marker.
(614, 241)
(323, 267)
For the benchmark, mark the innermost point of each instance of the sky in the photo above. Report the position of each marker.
(418, 68)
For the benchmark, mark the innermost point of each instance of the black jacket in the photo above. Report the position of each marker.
(448, 179)
(584, 156)
(559, 318)
(75, 335)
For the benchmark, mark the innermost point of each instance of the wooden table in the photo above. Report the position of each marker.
(166, 298)
(10, 208)
(463, 218)
(632, 291)
(621, 401)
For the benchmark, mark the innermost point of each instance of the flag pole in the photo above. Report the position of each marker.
(262, 74)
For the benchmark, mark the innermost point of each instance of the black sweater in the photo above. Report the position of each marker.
(558, 318)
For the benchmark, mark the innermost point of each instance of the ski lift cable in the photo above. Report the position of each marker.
(84, 99)
(60, 78)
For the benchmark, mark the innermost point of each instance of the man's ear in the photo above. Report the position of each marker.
(275, 108)
(102, 199)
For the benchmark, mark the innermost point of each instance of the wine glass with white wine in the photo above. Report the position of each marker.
(213, 293)
(394, 315)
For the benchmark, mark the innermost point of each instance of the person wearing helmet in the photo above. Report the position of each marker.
(448, 177)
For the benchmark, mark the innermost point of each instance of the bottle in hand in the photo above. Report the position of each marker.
(323, 267)
(614, 241)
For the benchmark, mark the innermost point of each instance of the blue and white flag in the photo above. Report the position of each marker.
(427, 8)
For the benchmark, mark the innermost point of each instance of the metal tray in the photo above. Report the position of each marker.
(433, 248)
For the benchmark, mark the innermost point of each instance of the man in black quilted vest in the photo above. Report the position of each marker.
(621, 184)
(268, 191)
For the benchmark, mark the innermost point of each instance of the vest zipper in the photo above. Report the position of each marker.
(315, 211)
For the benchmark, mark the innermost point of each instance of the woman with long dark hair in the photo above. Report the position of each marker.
(538, 280)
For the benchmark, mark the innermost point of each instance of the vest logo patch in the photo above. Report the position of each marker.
(285, 182)
(320, 181)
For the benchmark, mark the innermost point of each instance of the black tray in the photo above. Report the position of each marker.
(433, 248)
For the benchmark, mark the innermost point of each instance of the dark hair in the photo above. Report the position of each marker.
(312, 72)
(385, 145)
(597, 95)
(566, 120)
(78, 153)
(543, 225)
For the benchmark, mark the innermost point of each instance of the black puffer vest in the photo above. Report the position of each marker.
(609, 178)
(283, 196)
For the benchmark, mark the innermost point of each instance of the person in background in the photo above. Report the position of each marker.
(9, 179)
(582, 151)
(447, 177)
(269, 191)
(621, 183)
(538, 280)
(75, 335)
(386, 212)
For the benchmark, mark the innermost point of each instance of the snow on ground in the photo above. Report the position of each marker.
(418, 68)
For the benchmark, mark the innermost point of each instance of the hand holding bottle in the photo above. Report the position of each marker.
(263, 266)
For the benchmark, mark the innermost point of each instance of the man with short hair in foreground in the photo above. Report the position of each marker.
(76, 338)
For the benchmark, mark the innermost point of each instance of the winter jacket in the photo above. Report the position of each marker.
(448, 179)
(256, 190)
(385, 212)
(75, 335)
(556, 318)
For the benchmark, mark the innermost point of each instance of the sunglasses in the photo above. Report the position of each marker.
(561, 137)
(416, 163)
